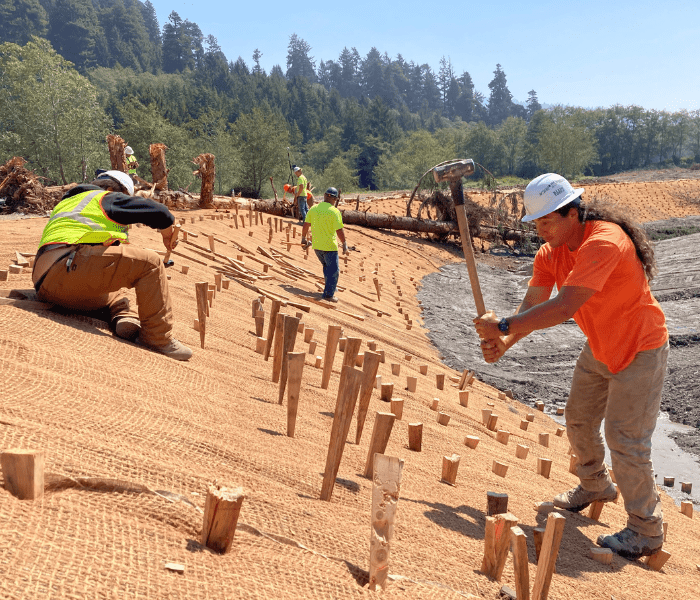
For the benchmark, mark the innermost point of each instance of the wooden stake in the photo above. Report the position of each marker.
(573, 464)
(499, 468)
(524, 424)
(23, 472)
(530, 417)
(411, 383)
(259, 344)
(548, 556)
(423, 369)
(397, 407)
(686, 486)
(687, 508)
(493, 420)
(331, 344)
(276, 304)
(201, 290)
(279, 345)
(221, 511)
(657, 560)
(544, 439)
(383, 423)
(443, 418)
(601, 555)
(377, 287)
(308, 335)
(296, 368)
(496, 503)
(485, 415)
(385, 496)
(502, 436)
(351, 380)
(386, 392)
(450, 464)
(471, 441)
(291, 325)
(518, 545)
(415, 436)
(464, 398)
(521, 451)
(370, 365)
(544, 466)
(352, 347)
(259, 326)
(440, 381)
(496, 544)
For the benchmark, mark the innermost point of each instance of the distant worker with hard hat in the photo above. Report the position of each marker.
(131, 162)
(326, 224)
(85, 260)
(300, 191)
(601, 263)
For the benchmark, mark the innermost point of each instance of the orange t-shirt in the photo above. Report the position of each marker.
(622, 318)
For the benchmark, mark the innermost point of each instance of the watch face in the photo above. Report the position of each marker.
(503, 325)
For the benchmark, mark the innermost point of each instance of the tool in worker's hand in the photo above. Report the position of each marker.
(452, 172)
(173, 242)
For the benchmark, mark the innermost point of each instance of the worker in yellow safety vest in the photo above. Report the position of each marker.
(131, 162)
(84, 261)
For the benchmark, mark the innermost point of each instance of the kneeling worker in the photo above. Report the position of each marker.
(85, 259)
(326, 223)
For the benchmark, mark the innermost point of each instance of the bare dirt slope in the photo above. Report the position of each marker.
(133, 438)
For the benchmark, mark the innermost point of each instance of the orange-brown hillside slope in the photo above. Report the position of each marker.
(132, 439)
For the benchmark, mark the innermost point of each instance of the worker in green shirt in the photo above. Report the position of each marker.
(131, 162)
(300, 194)
(326, 223)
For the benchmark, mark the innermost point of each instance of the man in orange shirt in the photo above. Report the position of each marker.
(601, 263)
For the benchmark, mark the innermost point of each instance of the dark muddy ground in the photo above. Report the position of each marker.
(540, 366)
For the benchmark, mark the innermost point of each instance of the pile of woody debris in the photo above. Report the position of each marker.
(22, 191)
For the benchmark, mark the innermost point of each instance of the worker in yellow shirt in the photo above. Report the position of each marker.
(300, 194)
(131, 162)
(326, 224)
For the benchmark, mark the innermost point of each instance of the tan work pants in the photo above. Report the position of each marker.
(629, 401)
(95, 279)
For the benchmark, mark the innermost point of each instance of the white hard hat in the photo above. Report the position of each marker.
(296, 168)
(547, 193)
(129, 150)
(121, 178)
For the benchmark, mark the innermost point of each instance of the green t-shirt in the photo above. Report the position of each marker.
(325, 219)
(301, 191)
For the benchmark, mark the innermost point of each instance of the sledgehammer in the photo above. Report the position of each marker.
(453, 172)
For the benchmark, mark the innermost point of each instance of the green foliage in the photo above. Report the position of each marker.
(566, 145)
(262, 138)
(21, 19)
(50, 113)
(411, 158)
(340, 175)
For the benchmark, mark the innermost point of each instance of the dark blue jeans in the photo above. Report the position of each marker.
(303, 208)
(331, 270)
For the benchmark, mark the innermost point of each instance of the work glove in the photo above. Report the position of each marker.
(304, 242)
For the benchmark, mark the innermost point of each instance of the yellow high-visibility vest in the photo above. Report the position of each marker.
(81, 220)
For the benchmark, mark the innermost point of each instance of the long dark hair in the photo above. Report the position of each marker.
(598, 210)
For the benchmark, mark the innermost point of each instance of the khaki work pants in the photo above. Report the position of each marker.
(629, 401)
(95, 279)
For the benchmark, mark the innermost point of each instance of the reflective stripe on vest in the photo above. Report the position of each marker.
(131, 159)
(78, 228)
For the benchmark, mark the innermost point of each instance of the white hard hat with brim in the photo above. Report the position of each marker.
(547, 193)
(121, 178)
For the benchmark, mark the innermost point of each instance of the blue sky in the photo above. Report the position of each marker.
(591, 53)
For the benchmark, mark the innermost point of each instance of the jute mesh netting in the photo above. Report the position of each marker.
(132, 440)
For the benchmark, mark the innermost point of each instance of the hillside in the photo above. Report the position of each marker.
(133, 439)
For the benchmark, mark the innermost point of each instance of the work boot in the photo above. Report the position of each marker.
(577, 499)
(330, 298)
(127, 328)
(174, 349)
(630, 544)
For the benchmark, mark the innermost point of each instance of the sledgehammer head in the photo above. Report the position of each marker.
(454, 170)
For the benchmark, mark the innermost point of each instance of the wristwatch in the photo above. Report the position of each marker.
(504, 326)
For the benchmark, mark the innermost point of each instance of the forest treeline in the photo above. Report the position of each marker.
(73, 71)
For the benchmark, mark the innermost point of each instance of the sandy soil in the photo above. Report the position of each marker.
(132, 439)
